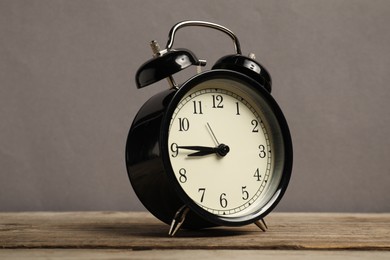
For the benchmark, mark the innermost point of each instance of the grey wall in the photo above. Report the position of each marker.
(67, 94)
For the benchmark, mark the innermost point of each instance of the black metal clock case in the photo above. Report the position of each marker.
(147, 166)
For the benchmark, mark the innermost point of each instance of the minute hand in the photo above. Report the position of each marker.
(221, 150)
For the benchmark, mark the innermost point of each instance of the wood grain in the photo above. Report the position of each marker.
(141, 231)
(81, 254)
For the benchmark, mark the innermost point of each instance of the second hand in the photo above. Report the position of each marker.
(212, 133)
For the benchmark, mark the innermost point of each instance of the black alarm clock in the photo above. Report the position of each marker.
(215, 150)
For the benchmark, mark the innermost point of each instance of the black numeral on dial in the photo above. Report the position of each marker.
(202, 191)
(262, 152)
(257, 175)
(223, 201)
(237, 109)
(183, 176)
(217, 101)
(245, 193)
(255, 125)
(184, 124)
(197, 107)
(174, 150)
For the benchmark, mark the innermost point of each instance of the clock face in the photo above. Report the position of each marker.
(225, 148)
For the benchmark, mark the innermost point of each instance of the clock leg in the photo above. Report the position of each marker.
(178, 220)
(261, 224)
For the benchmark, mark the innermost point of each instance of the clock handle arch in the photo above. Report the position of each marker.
(176, 27)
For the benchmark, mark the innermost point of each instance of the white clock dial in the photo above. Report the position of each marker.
(220, 149)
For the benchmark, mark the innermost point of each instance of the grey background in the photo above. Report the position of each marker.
(68, 96)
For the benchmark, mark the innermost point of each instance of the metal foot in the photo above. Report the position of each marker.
(261, 224)
(178, 220)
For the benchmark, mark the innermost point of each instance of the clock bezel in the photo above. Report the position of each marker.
(285, 133)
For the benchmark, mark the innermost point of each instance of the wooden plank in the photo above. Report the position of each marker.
(141, 231)
(81, 254)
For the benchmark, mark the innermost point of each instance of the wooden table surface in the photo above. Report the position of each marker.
(118, 235)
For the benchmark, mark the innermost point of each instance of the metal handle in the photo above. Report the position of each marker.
(176, 27)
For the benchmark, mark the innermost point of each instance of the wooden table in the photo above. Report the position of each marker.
(117, 235)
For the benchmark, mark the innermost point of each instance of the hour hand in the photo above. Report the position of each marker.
(202, 152)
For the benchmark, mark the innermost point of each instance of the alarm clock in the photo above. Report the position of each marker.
(214, 150)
